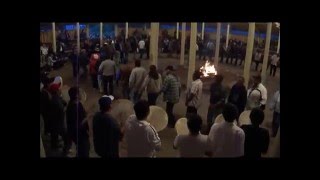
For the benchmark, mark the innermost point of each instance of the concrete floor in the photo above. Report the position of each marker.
(167, 135)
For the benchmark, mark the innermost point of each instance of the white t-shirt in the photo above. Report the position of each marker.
(191, 146)
(226, 140)
(196, 89)
(257, 56)
(141, 137)
(253, 96)
(274, 59)
(141, 44)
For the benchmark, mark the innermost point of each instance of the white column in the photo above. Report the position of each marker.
(78, 38)
(88, 31)
(177, 32)
(115, 30)
(192, 53)
(154, 42)
(266, 53)
(247, 63)
(183, 43)
(127, 29)
(278, 48)
(54, 44)
(202, 32)
(216, 55)
(101, 35)
(227, 39)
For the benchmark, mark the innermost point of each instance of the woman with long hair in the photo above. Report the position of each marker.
(152, 83)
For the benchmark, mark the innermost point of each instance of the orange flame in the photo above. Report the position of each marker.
(208, 69)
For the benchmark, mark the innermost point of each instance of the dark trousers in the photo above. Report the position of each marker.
(191, 110)
(55, 139)
(212, 114)
(108, 81)
(257, 64)
(148, 52)
(169, 110)
(136, 97)
(152, 98)
(273, 70)
(83, 148)
(221, 55)
(141, 51)
(275, 123)
(85, 71)
(94, 79)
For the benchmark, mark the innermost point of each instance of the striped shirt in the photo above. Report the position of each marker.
(171, 89)
(141, 137)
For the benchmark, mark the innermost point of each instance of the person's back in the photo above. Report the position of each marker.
(106, 135)
(192, 146)
(154, 85)
(172, 88)
(256, 141)
(75, 115)
(108, 67)
(137, 77)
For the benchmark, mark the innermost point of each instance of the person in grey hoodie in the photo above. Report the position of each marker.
(136, 80)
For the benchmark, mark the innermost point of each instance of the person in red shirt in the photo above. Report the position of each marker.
(92, 68)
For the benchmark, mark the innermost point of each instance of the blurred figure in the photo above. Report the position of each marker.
(275, 107)
(218, 96)
(92, 68)
(45, 100)
(141, 137)
(141, 47)
(83, 62)
(171, 93)
(153, 83)
(194, 144)
(257, 138)
(257, 94)
(238, 95)
(136, 79)
(108, 69)
(274, 63)
(257, 58)
(194, 93)
(106, 131)
(226, 139)
(77, 126)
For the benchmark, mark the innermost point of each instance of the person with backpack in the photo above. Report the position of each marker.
(257, 94)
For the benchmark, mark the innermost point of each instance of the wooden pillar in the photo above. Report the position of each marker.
(247, 63)
(101, 35)
(127, 29)
(202, 32)
(177, 34)
(266, 54)
(183, 43)
(216, 55)
(192, 52)
(154, 41)
(227, 38)
(54, 44)
(78, 38)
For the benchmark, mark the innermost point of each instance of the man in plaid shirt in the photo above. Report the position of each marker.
(171, 93)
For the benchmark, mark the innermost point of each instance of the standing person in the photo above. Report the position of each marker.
(257, 138)
(45, 99)
(77, 126)
(141, 137)
(125, 71)
(171, 93)
(275, 107)
(141, 47)
(92, 68)
(75, 63)
(108, 70)
(238, 95)
(56, 118)
(153, 83)
(106, 131)
(257, 94)
(193, 144)
(217, 100)
(83, 62)
(136, 79)
(274, 63)
(226, 139)
(194, 93)
(257, 58)
(147, 45)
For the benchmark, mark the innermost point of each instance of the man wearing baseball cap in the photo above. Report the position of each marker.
(106, 130)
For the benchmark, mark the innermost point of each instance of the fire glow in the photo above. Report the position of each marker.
(208, 69)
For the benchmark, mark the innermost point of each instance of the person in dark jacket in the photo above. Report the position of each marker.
(257, 138)
(77, 126)
(106, 131)
(45, 98)
(56, 118)
(75, 63)
(83, 62)
(238, 95)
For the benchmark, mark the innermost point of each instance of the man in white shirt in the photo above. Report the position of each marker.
(257, 94)
(274, 63)
(108, 69)
(142, 45)
(257, 58)
(136, 79)
(141, 137)
(194, 93)
(226, 139)
(194, 144)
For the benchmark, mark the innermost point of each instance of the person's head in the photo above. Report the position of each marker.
(73, 93)
(141, 109)
(194, 123)
(153, 73)
(169, 69)
(197, 75)
(137, 63)
(218, 79)
(97, 50)
(256, 116)
(240, 80)
(105, 104)
(230, 112)
(256, 80)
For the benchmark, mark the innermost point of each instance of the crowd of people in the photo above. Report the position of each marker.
(108, 63)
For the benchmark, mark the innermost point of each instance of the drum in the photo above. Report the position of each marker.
(245, 118)
(121, 109)
(220, 119)
(182, 127)
(158, 118)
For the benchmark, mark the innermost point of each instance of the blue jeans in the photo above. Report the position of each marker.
(152, 98)
(136, 97)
